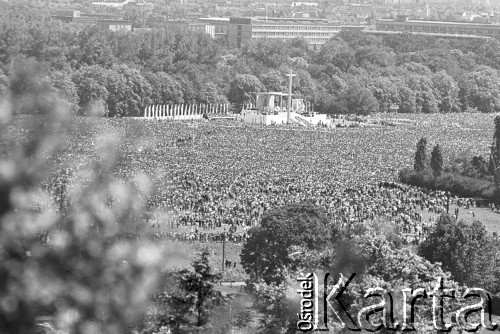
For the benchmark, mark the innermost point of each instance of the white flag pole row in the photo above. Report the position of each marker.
(189, 109)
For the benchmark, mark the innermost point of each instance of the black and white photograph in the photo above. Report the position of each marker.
(249, 167)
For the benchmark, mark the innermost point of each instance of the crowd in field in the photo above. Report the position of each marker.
(206, 202)
(230, 175)
(233, 237)
(398, 205)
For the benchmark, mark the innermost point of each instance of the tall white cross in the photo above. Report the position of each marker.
(290, 78)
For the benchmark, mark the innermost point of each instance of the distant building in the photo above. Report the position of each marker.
(68, 13)
(239, 3)
(196, 27)
(353, 28)
(76, 17)
(402, 24)
(221, 25)
(302, 14)
(239, 31)
(308, 4)
(429, 34)
(111, 4)
(84, 20)
(315, 31)
(115, 25)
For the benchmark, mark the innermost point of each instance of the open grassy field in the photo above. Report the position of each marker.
(490, 219)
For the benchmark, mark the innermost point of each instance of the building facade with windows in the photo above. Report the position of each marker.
(315, 31)
(220, 25)
(402, 24)
(195, 27)
(115, 25)
(76, 17)
(239, 31)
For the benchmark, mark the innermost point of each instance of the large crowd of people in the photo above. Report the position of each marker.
(228, 174)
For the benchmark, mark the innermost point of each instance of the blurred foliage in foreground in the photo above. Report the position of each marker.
(74, 258)
(86, 277)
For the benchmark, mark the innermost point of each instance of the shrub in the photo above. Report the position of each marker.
(455, 183)
(243, 318)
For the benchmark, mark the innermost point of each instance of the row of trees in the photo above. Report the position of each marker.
(93, 90)
(351, 73)
(421, 159)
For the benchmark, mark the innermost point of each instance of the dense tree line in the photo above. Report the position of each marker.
(119, 73)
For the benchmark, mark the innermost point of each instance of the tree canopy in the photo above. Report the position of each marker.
(416, 73)
(268, 252)
(464, 249)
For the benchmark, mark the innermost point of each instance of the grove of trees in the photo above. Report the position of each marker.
(119, 73)
(293, 230)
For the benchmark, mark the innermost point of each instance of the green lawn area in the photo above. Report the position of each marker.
(491, 220)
